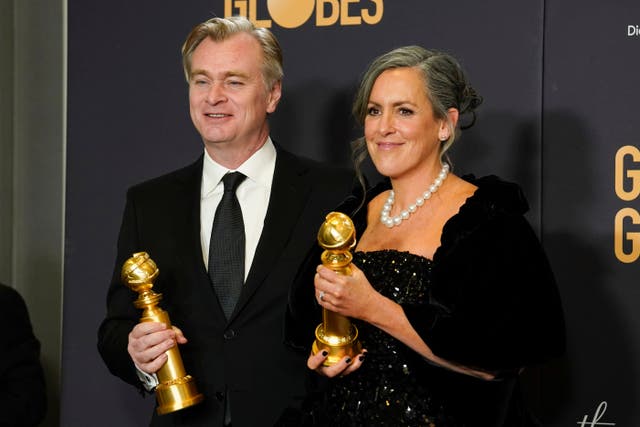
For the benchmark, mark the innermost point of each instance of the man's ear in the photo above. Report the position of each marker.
(273, 97)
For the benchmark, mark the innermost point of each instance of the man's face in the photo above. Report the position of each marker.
(228, 100)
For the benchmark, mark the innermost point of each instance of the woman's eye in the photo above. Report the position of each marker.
(373, 111)
(406, 112)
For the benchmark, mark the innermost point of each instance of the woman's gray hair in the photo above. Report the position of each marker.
(446, 87)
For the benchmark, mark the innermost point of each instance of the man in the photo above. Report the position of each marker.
(235, 353)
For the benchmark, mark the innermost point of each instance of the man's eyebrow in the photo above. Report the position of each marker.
(230, 73)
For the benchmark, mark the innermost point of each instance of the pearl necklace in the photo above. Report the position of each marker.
(397, 220)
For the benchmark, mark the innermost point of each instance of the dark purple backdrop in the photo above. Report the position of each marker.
(561, 97)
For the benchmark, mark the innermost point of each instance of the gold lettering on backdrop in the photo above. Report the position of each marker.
(621, 235)
(295, 13)
(253, 16)
(377, 16)
(345, 19)
(289, 14)
(321, 19)
(623, 172)
(626, 241)
(247, 8)
(235, 7)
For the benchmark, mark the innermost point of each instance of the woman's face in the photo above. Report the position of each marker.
(402, 133)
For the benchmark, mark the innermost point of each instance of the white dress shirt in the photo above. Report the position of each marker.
(253, 194)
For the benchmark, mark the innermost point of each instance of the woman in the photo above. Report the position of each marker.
(450, 290)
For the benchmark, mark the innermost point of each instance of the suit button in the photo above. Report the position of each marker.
(229, 334)
(219, 396)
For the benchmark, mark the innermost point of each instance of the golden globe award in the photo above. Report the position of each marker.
(336, 334)
(176, 390)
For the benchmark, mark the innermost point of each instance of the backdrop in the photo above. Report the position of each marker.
(560, 117)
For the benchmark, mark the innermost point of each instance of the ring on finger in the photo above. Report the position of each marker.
(321, 295)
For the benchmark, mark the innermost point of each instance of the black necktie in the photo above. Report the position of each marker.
(226, 248)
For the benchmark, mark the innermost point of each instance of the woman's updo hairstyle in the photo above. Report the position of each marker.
(446, 87)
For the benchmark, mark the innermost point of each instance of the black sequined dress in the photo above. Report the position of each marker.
(487, 300)
(387, 390)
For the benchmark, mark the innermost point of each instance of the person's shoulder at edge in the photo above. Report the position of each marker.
(193, 170)
(11, 298)
(23, 398)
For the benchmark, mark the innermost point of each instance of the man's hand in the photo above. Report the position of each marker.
(149, 342)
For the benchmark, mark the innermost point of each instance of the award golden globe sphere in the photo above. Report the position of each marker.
(336, 334)
(176, 390)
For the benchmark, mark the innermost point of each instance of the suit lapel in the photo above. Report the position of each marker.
(188, 231)
(289, 194)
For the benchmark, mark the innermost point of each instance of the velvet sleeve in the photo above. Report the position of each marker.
(494, 304)
(303, 312)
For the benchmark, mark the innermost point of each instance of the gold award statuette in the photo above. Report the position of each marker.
(176, 390)
(336, 334)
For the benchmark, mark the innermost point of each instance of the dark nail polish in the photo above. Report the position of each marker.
(348, 360)
(361, 357)
(325, 352)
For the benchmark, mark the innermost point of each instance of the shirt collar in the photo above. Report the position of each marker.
(257, 168)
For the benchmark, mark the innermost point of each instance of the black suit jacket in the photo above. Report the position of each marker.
(246, 354)
(23, 399)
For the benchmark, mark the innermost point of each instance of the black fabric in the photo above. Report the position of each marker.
(23, 400)
(243, 355)
(226, 248)
(493, 303)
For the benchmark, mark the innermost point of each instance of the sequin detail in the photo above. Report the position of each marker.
(387, 390)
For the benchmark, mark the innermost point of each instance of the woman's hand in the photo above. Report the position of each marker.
(344, 367)
(351, 296)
